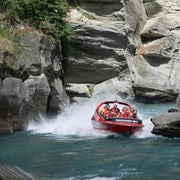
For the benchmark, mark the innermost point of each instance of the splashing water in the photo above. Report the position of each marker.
(76, 120)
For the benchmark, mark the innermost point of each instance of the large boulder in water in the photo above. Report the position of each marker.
(167, 124)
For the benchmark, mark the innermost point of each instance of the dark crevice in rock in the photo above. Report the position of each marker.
(150, 38)
(155, 60)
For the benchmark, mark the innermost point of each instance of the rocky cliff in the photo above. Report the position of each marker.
(132, 45)
(31, 83)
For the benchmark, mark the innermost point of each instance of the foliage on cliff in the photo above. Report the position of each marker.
(45, 15)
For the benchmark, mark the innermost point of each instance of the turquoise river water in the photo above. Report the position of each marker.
(68, 148)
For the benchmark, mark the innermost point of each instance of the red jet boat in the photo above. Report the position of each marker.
(118, 124)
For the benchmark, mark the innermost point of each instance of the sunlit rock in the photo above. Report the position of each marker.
(115, 87)
(80, 90)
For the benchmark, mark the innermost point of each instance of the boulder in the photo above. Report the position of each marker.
(23, 101)
(37, 92)
(12, 100)
(115, 87)
(167, 124)
(58, 99)
(79, 90)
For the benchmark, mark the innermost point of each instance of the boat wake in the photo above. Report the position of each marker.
(75, 121)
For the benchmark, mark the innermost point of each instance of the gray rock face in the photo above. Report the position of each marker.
(137, 41)
(39, 65)
(96, 52)
(38, 55)
(41, 56)
(156, 66)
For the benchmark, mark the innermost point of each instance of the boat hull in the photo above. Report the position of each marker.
(116, 128)
(115, 124)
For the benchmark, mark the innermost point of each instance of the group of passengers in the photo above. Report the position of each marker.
(115, 112)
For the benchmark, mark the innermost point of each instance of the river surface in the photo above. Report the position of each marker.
(67, 148)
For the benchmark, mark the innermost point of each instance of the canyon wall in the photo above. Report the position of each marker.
(132, 45)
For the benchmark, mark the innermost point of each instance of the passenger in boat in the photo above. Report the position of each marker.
(115, 111)
(106, 111)
(133, 113)
(125, 112)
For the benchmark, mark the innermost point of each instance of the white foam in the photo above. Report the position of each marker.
(76, 120)
(146, 130)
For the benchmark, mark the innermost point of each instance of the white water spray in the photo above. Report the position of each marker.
(76, 120)
(146, 131)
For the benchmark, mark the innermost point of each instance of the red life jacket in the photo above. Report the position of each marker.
(106, 112)
(125, 114)
(114, 111)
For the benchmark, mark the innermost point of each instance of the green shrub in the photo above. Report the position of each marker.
(3, 30)
(90, 88)
(46, 15)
